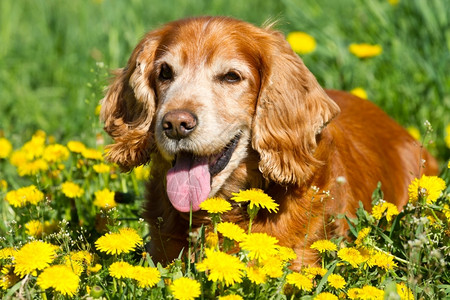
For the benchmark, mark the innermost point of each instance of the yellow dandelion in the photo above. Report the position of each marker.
(78, 260)
(312, 272)
(323, 246)
(125, 241)
(370, 292)
(5, 148)
(300, 281)
(301, 42)
(286, 253)
(121, 269)
(34, 228)
(92, 154)
(215, 205)
(259, 245)
(365, 50)
(76, 146)
(404, 292)
(360, 92)
(35, 147)
(382, 260)
(146, 276)
(222, 267)
(18, 158)
(336, 281)
(257, 198)
(55, 153)
(326, 296)
(94, 269)
(105, 199)
(231, 231)
(256, 275)
(98, 108)
(447, 137)
(24, 195)
(428, 187)
(211, 240)
(60, 278)
(101, 168)
(273, 266)
(142, 172)
(8, 279)
(3, 185)
(384, 209)
(446, 212)
(7, 252)
(35, 255)
(31, 168)
(185, 288)
(362, 234)
(414, 132)
(71, 190)
(352, 256)
(231, 297)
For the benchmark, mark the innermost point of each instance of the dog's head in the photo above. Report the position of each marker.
(202, 91)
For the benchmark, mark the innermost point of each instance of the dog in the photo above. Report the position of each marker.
(219, 105)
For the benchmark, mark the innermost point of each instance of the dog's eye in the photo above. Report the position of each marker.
(165, 72)
(231, 77)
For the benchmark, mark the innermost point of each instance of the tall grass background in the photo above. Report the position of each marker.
(49, 49)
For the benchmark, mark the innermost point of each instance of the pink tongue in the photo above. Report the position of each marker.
(188, 182)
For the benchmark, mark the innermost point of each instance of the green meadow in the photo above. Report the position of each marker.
(62, 206)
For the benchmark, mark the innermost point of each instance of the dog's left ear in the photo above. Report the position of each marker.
(292, 110)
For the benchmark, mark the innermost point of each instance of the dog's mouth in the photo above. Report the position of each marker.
(189, 180)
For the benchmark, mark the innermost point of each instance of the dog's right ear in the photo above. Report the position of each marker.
(129, 105)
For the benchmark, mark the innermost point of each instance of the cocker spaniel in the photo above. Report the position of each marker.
(219, 105)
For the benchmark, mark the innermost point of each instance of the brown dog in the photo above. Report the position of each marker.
(221, 106)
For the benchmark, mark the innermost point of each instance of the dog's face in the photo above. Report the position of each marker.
(202, 92)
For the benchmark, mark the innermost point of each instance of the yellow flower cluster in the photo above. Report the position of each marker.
(384, 209)
(23, 196)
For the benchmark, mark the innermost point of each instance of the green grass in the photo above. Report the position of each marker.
(49, 50)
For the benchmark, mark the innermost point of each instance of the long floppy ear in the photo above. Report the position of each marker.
(291, 112)
(128, 108)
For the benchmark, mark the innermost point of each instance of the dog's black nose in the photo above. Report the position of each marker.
(178, 124)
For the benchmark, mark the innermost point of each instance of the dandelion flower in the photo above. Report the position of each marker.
(215, 205)
(273, 266)
(312, 272)
(185, 288)
(259, 245)
(360, 92)
(231, 231)
(428, 187)
(35, 255)
(76, 146)
(256, 275)
(24, 195)
(381, 260)
(447, 136)
(301, 42)
(8, 280)
(34, 228)
(5, 148)
(404, 292)
(362, 234)
(125, 241)
(336, 281)
(414, 132)
(3, 185)
(60, 278)
(71, 190)
(257, 198)
(31, 168)
(211, 240)
(92, 154)
(286, 253)
(55, 153)
(383, 207)
(222, 267)
(35, 147)
(326, 296)
(365, 50)
(94, 269)
(142, 172)
(352, 256)
(368, 292)
(105, 199)
(101, 168)
(121, 269)
(146, 276)
(300, 281)
(323, 246)
(7, 252)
